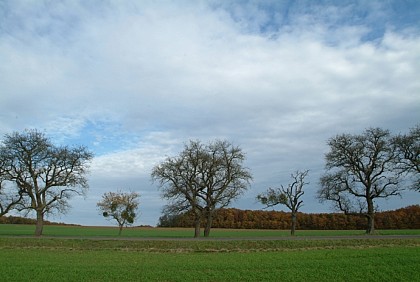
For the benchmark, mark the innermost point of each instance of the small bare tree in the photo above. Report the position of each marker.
(288, 196)
(120, 206)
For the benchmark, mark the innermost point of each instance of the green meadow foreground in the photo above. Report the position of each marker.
(91, 254)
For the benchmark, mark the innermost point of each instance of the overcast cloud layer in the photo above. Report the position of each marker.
(134, 80)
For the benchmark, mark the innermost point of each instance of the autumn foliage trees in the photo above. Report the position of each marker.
(404, 218)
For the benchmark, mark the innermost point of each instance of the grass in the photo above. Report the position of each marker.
(199, 246)
(141, 232)
(380, 264)
(57, 259)
(93, 254)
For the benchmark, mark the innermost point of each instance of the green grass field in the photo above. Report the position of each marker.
(372, 264)
(84, 231)
(93, 254)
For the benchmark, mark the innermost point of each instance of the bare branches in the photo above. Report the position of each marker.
(207, 177)
(46, 176)
(288, 196)
(360, 168)
(10, 197)
(408, 149)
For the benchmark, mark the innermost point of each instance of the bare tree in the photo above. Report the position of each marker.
(288, 196)
(177, 178)
(408, 147)
(202, 179)
(223, 178)
(45, 175)
(360, 169)
(120, 206)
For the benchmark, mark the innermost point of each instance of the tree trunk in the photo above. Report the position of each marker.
(370, 217)
(294, 218)
(197, 223)
(120, 229)
(208, 225)
(371, 223)
(39, 223)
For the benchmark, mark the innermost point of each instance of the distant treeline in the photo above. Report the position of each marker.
(404, 218)
(24, 220)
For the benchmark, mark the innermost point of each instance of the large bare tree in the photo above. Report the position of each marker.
(202, 179)
(45, 175)
(288, 196)
(359, 169)
(222, 178)
(177, 178)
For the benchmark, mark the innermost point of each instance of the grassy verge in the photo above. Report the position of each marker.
(199, 246)
(82, 231)
(42, 259)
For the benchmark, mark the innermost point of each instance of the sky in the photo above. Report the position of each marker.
(135, 80)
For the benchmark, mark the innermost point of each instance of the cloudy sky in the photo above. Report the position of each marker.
(135, 80)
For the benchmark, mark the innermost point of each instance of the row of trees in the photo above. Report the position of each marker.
(359, 168)
(404, 218)
(37, 176)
